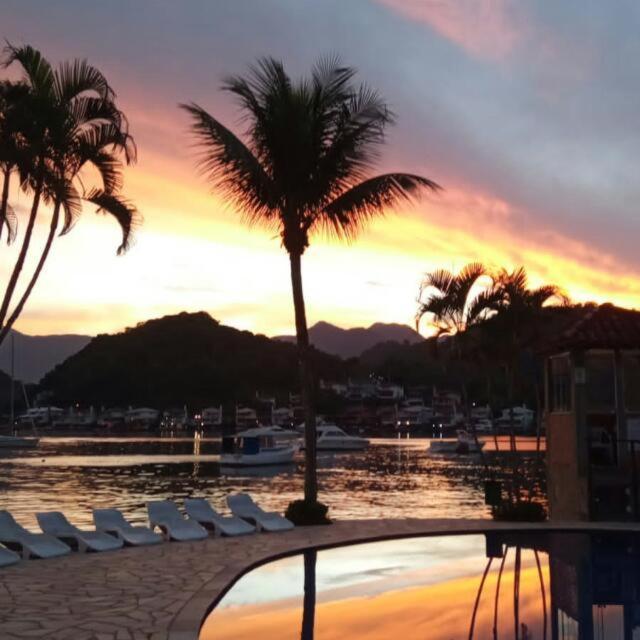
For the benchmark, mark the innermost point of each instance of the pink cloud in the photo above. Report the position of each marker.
(483, 28)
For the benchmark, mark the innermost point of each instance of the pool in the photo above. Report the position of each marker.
(555, 585)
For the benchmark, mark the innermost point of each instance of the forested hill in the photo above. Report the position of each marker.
(187, 358)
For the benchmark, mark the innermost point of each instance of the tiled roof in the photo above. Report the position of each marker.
(604, 327)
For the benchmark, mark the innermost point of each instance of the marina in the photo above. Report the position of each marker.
(391, 478)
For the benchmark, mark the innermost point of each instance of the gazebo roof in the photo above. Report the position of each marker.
(602, 327)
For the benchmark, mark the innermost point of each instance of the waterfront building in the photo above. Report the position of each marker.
(592, 404)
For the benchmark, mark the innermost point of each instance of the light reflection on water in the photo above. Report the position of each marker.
(502, 585)
(393, 478)
(423, 588)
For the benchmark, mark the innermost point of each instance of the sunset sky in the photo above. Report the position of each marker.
(525, 112)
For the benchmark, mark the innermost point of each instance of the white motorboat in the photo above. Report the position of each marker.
(464, 443)
(332, 438)
(258, 447)
(18, 442)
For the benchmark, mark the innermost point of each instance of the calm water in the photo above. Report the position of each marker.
(561, 586)
(393, 478)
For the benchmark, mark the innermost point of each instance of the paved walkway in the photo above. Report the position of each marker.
(164, 592)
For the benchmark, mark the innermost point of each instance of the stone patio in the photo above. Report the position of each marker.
(164, 592)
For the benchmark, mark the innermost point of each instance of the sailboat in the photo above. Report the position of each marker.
(15, 441)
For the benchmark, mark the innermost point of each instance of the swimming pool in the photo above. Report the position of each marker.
(556, 585)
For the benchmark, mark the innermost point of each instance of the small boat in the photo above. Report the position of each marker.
(18, 442)
(464, 443)
(259, 446)
(332, 438)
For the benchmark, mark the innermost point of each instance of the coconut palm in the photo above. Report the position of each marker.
(74, 124)
(454, 302)
(518, 310)
(14, 119)
(302, 168)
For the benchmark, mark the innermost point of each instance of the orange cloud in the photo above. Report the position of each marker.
(437, 611)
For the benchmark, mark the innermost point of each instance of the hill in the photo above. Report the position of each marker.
(186, 358)
(351, 343)
(35, 355)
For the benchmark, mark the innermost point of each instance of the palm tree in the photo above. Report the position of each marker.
(302, 168)
(74, 123)
(14, 118)
(453, 303)
(518, 309)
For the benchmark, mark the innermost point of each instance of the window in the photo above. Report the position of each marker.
(601, 382)
(560, 384)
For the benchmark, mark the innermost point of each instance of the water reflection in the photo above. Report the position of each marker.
(563, 586)
(391, 479)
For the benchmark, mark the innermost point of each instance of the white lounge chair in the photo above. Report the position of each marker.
(8, 557)
(201, 511)
(164, 514)
(243, 506)
(30, 545)
(112, 521)
(56, 524)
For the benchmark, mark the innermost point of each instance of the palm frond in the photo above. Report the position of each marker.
(10, 221)
(121, 209)
(231, 168)
(72, 79)
(352, 209)
(71, 203)
(38, 72)
(107, 134)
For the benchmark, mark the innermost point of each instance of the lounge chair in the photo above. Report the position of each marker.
(201, 511)
(112, 521)
(243, 506)
(165, 515)
(30, 545)
(56, 524)
(8, 557)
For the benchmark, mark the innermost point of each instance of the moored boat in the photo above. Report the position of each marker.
(259, 446)
(18, 442)
(332, 438)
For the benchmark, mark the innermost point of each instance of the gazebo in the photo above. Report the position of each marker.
(592, 417)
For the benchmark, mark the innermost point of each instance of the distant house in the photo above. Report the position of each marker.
(142, 416)
(447, 407)
(387, 392)
(592, 372)
(246, 417)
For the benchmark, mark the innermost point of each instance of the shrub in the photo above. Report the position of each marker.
(304, 514)
(520, 512)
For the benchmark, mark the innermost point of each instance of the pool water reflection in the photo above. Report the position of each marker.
(561, 586)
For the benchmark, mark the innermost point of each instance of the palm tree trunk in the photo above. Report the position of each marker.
(309, 601)
(23, 251)
(36, 274)
(5, 199)
(306, 381)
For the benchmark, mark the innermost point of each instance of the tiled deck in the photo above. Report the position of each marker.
(164, 592)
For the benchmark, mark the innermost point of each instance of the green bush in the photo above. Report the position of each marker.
(519, 512)
(304, 514)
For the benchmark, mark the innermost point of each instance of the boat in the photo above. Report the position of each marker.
(464, 443)
(332, 438)
(18, 442)
(259, 446)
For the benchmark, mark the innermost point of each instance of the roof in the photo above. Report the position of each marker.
(602, 327)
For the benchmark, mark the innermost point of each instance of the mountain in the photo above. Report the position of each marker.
(35, 355)
(186, 358)
(351, 343)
